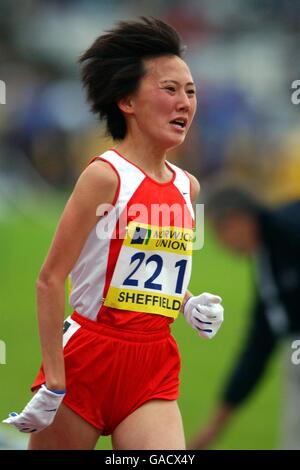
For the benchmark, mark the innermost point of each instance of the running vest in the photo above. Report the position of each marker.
(138, 257)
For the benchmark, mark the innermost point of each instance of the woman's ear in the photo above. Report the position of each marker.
(126, 105)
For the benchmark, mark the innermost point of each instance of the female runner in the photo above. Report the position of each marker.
(125, 237)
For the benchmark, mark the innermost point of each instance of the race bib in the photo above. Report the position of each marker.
(153, 270)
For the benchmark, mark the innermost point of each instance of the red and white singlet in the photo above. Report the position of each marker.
(135, 266)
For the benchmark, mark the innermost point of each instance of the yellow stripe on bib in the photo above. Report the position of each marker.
(154, 238)
(143, 301)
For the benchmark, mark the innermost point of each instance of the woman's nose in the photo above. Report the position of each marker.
(184, 102)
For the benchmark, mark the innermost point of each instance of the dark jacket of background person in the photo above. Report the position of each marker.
(276, 312)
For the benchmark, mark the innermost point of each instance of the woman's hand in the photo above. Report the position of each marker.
(39, 412)
(204, 313)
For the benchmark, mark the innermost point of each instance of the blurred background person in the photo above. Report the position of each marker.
(271, 237)
(244, 55)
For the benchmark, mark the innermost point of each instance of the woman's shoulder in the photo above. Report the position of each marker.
(194, 183)
(195, 186)
(99, 171)
(97, 183)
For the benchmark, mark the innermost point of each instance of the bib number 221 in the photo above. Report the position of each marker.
(157, 262)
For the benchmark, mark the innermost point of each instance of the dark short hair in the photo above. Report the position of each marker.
(224, 201)
(113, 66)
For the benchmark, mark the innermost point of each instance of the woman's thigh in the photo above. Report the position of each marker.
(155, 425)
(67, 432)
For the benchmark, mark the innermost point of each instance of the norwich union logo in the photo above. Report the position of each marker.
(141, 236)
(174, 239)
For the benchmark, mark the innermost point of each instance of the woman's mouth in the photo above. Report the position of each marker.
(179, 124)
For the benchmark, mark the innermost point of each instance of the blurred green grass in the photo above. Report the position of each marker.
(24, 242)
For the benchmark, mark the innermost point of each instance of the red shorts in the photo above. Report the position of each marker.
(111, 372)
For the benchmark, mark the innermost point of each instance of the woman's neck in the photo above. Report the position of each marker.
(150, 159)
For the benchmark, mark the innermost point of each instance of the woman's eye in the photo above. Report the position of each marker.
(191, 92)
(171, 88)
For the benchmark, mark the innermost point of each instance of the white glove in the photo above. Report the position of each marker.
(39, 412)
(204, 313)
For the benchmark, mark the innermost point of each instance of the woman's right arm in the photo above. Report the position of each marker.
(97, 185)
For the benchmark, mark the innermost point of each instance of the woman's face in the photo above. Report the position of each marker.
(163, 107)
